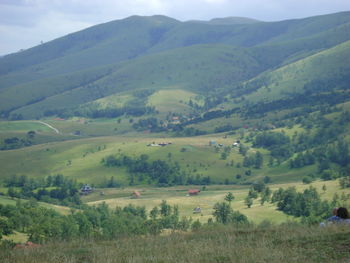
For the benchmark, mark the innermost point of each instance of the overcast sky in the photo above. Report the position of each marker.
(25, 23)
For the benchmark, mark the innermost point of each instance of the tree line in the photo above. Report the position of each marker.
(55, 189)
(159, 172)
(98, 222)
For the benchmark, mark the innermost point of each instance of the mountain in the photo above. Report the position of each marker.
(159, 53)
(233, 20)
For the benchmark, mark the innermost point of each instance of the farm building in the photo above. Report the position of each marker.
(86, 189)
(212, 143)
(136, 195)
(194, 191)
(197, 210)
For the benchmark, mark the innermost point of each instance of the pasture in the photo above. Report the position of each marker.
(81, 159)
(151, 197)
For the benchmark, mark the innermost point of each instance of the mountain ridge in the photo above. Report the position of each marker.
(29, 78)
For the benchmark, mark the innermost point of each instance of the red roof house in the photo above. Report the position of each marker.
(194, 191)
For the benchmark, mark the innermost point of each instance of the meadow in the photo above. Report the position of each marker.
(206, 199)
(81, 159)
(217, 243)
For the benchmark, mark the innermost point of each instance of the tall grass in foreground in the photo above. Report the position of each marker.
(218, 243)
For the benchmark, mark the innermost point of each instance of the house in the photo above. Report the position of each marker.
(135, 195)
(212, 143)
(86, 189)
(162, 144)
(197, 210)
(153, 144)
(193, 191)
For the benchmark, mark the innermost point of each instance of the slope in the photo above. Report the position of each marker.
(99, 45)
(185, 68)
(323, 72)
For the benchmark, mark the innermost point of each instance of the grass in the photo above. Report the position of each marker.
(81, 159)
(96, 127)
(244, 244)
(291, 78)
(17, 237)
(151, 197)
(172, 100)
(23, 126)
(4, 200)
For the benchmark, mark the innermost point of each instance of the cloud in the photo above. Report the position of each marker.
(24, 23)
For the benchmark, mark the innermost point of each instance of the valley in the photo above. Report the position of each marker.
(154, 107)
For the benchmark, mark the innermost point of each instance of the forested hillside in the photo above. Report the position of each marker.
(162, 53)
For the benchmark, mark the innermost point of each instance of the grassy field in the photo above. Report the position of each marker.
(172, 100)
(151, 197)
(81, 159)
(23, 126)
(240, 244)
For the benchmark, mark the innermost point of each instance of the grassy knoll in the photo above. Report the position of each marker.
(172, 100)
(245, 244)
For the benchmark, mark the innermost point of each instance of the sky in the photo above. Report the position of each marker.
(27, 23)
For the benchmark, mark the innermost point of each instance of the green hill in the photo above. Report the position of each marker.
(157, 52)
(186, 68)
(279, 90)
(322, 72)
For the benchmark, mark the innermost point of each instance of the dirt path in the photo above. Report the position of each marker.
(48, 125)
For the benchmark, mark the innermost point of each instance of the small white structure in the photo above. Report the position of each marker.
(197, 210)
(86, 189)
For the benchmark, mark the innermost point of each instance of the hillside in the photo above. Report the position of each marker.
(311, 75)
(157, 53)
(152, 101)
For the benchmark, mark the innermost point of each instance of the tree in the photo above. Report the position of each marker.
(223, 155)
(252, 193)
(154, 212)
(258, 160)
(248, 201)
(265, 195)
(5, 227)
(12, 192)
(229, 197)
(31, 134)
(165, 209)
(222, 212)
(243, 149)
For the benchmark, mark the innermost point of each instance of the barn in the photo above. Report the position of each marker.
(193, 191)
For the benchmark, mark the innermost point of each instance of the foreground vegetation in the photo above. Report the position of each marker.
(214, 243)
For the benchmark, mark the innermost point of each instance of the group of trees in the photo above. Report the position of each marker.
(163, 173)
(277, 142)
(42, 224)
(159, 172)
(55, 189)
(224, 213)
(257, 189)
(95, 112)
(307, 204)
(15, 142)
(151, 123)
(255, 160)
